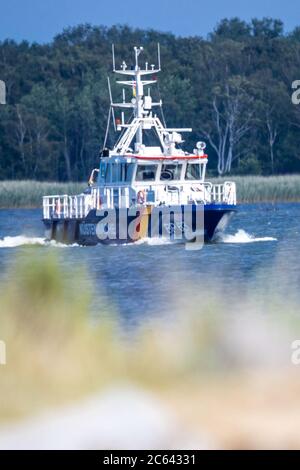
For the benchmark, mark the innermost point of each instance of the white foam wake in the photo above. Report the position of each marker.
(22, 240)
(241, 236)
(155, 241)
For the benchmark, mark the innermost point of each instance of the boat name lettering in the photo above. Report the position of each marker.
(87, 229)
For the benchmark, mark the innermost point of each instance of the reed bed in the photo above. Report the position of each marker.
(250, 189)
(256, 189)
(29, 194)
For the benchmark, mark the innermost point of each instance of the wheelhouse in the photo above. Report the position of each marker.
(136, 172)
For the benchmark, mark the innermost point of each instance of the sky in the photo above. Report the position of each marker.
(41, 20)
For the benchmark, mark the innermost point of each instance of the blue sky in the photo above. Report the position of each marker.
(40, 20)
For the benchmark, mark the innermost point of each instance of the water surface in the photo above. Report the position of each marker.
(259, 252)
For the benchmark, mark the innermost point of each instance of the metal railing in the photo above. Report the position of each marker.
(224, 193)
(70, 207)
(60, 207)
(113, 196)
(78, 207)
(205, 193)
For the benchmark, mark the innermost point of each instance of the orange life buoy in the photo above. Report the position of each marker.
(141, 197)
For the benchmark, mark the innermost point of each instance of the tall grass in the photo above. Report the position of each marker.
(250, 189)
(29, 194)
(255, 189)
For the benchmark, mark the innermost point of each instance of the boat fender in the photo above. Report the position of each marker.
(58, 207)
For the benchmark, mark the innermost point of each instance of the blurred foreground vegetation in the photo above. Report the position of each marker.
(250, 189)
(224, 371)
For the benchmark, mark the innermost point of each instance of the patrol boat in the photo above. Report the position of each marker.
(142, 191)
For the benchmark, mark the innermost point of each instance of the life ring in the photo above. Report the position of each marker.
(141, 197)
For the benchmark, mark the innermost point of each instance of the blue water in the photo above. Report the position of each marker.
(260, 250)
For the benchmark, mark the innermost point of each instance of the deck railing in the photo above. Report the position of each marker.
(204, 193)
(223, 193)
(78, 207)
(69, 207)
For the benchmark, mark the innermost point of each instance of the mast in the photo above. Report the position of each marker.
(141, 104)
(139, 94)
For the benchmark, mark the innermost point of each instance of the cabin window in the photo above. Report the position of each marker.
(170, 172)
(127, 172)
(193, 171)
(146, 172)
(102, 174)
(116, 172)
(108, 173)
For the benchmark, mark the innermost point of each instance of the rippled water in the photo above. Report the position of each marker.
(260, 250)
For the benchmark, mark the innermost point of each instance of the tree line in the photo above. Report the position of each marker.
(233, 88)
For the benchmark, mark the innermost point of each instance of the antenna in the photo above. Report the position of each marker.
(124, 101)
(137, 51)
(158, 55)
(111, 103)
(113, 56)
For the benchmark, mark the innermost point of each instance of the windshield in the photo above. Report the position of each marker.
(170, 172)
(146, 172)
(193, 171)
